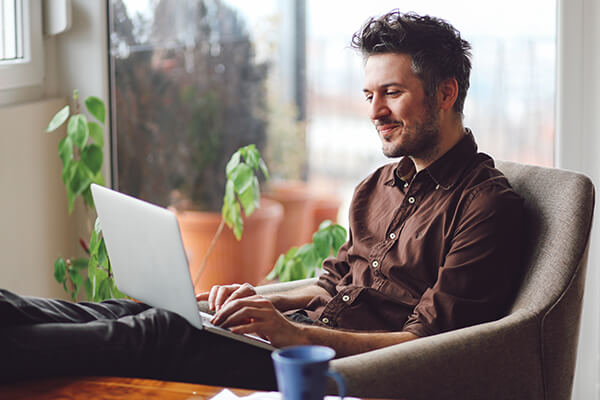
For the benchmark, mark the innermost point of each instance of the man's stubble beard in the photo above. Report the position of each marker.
(423, 138)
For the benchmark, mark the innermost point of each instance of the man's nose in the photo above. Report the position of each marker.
(378, 108)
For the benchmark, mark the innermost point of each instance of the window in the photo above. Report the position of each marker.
(11, 35)
(509, 106)
(21, 54)
(175, 84)
(194, 80)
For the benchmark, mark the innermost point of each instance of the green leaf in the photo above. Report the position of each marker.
(65, 150)
(238, 224)
(308, 255)
(94, 242)
(87, 285)
(322, 241)
(297, 270)
(263, 168)
(115, 292)
(68, 171)
(77, 130)
(277, 268)
(58, 119)
(242, 177)
(96, 107)
(96, 133)
(234, 161)
(80, 263)
(92, 157)
(324, 225)
(229, 205)
(70, 199)
(80, 179)
(99, 276)
(87, 197)
(99, 179)
(102, 254)
(250, 197)
(76, 278)
(104, 289)
(60, 270)
(252, 157)
(339, 237)
(97, 226)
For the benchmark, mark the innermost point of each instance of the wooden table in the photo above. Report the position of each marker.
(110, 388)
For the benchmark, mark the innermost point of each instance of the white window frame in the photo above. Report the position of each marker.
(28, 71)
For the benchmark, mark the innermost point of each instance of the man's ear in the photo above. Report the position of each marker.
(447, 93)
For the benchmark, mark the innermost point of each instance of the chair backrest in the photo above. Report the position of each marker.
(560, 207)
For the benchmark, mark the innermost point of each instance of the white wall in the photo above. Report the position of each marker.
(33, 210)
(36, 228)
(577, 148)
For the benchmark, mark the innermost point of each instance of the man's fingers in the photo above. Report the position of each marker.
(222, 294)
(241, 310)
(245, 290)
(248, 315)
(202, 296)
(211, 297)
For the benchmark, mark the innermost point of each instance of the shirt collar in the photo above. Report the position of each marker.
(445, 171)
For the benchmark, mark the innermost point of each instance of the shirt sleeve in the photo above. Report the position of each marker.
(335, 268)
(481, 271)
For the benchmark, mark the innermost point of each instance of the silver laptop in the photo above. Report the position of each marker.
(148, 258)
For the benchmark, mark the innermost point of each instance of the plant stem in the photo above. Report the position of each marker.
(210, 249)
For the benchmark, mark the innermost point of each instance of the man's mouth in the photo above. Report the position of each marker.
(386, 129)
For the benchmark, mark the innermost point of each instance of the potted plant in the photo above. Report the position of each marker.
(82, 156)
(305, 261)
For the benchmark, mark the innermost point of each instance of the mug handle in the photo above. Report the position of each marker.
(337, 377)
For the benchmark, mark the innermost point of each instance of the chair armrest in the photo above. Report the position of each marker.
(284, 286)
(269, 289)
(495, 360)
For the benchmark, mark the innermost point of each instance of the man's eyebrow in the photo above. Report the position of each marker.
(385, 86)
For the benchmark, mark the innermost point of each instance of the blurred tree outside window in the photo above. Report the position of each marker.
(192, 81)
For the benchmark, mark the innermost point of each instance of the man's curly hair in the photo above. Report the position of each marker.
(436, 49)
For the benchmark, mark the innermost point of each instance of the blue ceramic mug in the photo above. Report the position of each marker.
(301, 372)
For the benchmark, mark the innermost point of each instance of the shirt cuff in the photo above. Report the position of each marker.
(416, 327)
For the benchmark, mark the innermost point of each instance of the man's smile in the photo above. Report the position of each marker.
(386, 129)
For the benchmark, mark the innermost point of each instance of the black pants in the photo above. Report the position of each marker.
(47, 338)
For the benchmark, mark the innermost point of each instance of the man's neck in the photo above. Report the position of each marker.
(450, 135)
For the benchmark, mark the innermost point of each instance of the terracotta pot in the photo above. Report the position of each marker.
(297, 223)
(324, 207)
(248, 260)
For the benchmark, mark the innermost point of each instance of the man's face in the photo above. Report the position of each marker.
(406, 120)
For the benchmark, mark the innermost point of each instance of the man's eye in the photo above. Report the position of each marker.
(392, 93)
(369, 98)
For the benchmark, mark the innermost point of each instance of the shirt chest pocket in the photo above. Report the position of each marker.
(417, 252)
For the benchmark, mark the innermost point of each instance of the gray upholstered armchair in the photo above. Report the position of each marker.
(528, 354)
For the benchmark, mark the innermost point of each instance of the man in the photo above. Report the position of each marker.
(434, 246)
(434, 239)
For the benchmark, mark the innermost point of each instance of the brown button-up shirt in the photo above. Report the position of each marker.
(428, 252)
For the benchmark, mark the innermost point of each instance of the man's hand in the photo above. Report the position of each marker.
(221, 295)
(257, 315)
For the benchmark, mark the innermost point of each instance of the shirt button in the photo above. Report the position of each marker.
(411, 200)
(392, 236)
(325, 320)
(405, 184)
(375, 264)
(346, 298)
(437, 187)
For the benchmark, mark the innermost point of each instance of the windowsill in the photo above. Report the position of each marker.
(28, 94)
